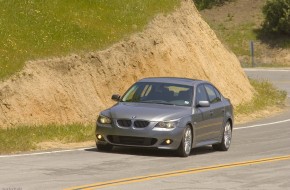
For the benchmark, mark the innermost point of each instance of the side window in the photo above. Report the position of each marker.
(201, 94)
(211, 91)
(218, 95)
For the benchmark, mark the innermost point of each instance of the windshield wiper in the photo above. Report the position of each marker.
(157, 102)
(165, 103)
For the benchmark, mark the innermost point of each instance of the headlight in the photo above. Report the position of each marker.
(104, 120)
(167, 125)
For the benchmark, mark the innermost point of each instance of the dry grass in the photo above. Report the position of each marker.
(26, 138)
(266, 96)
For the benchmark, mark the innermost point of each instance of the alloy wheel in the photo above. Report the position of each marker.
(187, 141)
(227, 135)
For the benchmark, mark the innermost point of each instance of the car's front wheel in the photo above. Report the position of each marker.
(185, 146)
(226, 140)
(104, 147)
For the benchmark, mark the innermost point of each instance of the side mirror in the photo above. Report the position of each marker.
(203, 104)
(116, 97)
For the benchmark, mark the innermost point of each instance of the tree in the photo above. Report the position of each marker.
(277, 16)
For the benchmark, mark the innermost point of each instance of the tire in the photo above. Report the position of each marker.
(226, 140)
(104, 147)
(185, 146)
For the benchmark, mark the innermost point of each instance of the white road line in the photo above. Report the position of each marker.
(270, 70)
(81, 149)
(259, 125)
(41, 153)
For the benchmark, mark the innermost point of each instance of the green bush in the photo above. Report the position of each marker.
(207, 4)
(277, 16)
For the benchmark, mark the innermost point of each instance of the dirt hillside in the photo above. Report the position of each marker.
(75, 88)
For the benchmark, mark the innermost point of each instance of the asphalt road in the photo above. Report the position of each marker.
(259, 158)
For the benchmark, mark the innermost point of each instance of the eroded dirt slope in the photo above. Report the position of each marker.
(75, 88)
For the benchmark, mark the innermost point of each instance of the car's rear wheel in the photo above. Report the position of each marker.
(104, 147)
(185, 146)
(226, 140)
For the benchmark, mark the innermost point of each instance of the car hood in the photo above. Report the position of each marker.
(148, 111)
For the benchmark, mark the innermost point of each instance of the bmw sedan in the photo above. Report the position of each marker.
(167, 113)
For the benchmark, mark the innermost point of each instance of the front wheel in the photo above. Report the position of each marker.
(185, 146)
(227, 139)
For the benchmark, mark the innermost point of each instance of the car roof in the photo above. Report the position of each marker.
(174, 80)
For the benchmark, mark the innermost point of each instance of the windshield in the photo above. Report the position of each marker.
(159, 93)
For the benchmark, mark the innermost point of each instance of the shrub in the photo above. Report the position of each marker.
(207, 4)
(277, 16)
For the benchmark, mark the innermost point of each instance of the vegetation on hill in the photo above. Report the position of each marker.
(236, 24)
(35, 29)
(207, 4)
(277, 16)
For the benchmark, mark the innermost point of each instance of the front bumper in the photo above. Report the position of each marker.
(139, 137)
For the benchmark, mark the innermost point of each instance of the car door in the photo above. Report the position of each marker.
(202, 116)
(217, 112)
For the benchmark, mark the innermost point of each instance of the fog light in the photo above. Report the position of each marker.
(168, 141)
(99, 137)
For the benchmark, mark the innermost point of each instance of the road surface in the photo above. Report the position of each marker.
(259, 158)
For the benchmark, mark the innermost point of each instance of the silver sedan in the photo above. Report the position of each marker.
(167, 113)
